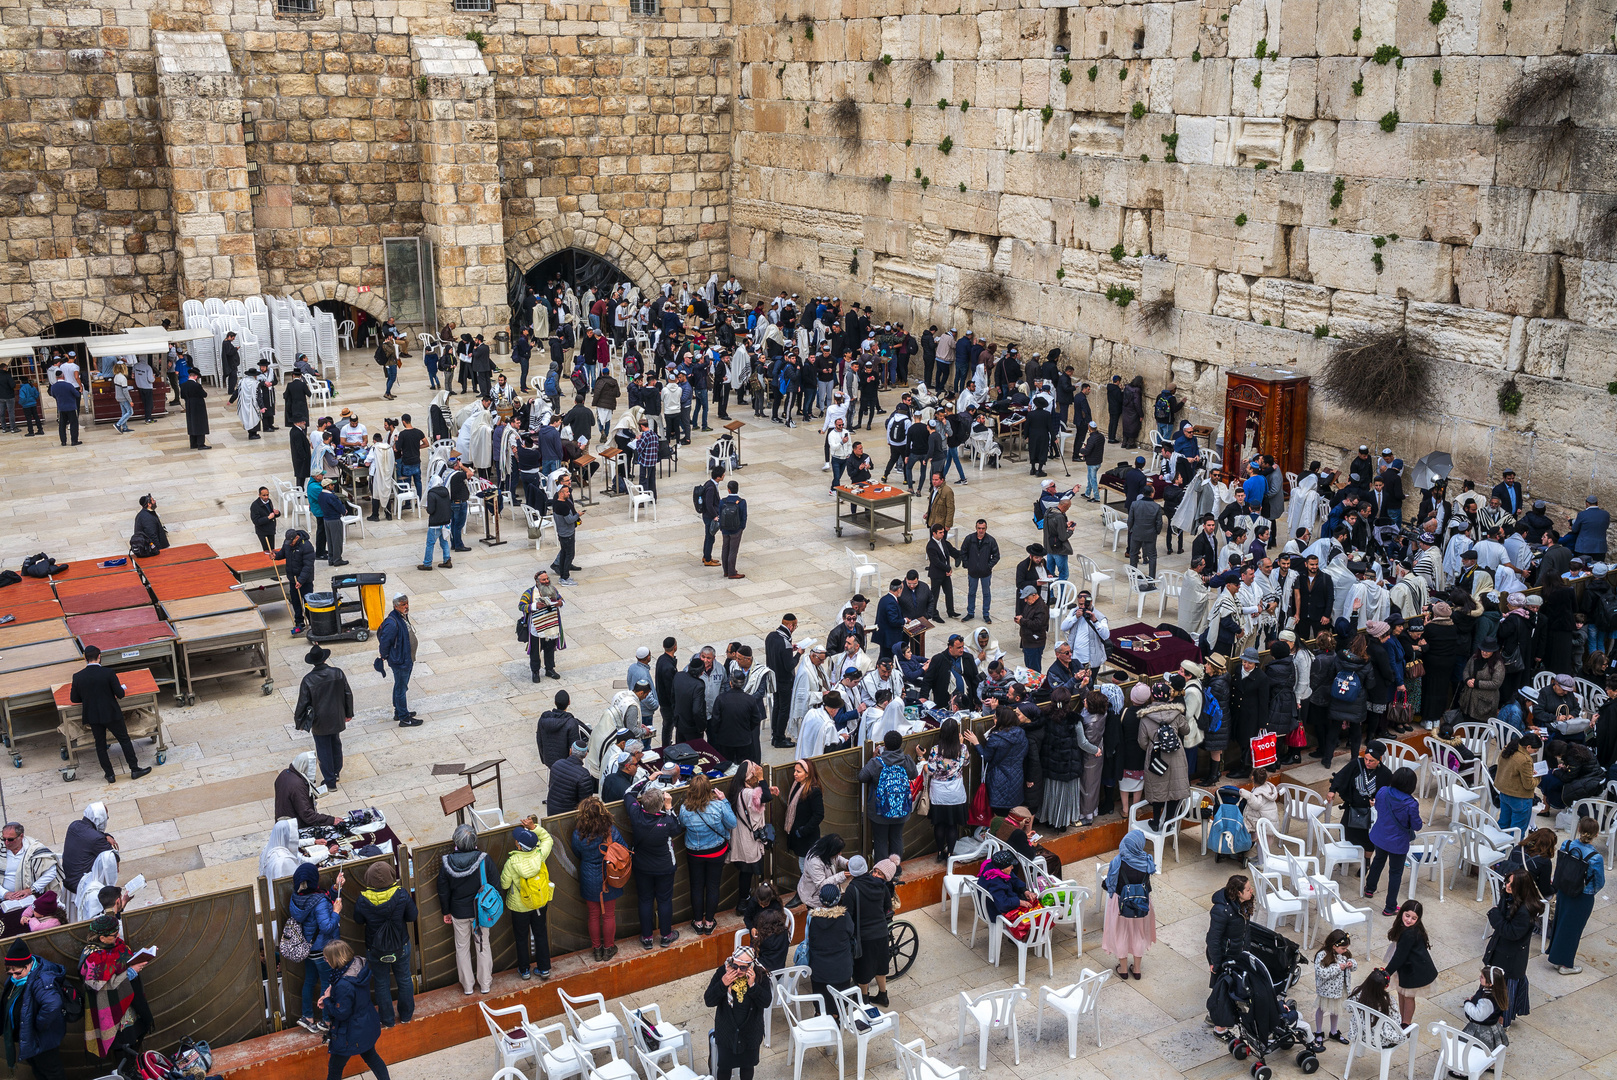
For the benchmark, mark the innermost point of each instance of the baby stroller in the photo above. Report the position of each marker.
(1251, 996)
(1228, 835)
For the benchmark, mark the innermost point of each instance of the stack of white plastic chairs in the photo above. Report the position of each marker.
(204, 351)
(258, 324)
(213, 306)
(325, 333)
(283, 336)
(190, 311)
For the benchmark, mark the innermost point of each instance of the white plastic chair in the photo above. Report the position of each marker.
(811, 1031)
(1063, 598)
(860, 568)
(862, 1022)
(1428, 851)
(1142, 588)
(615, 1067)
(562, 1060)
(1298, 803)
(982, 911)
(915, 1064)
(1400, 755)
(1460, 1053)
(954, 884)
(1167, 830)
(1335, 850)
(537, 521)
(1116, 524)
(1278, 902)
(1276, 850)
(638, 497)
(1069, 907)
(1331, 911)
(593, 1032)
(994, 1010)
(1475, 852)
(345, 333)
(357, 517)
(1450, 790)
(1040, 923)
(1362, 1021)
(1487, 826)
(1171, 586)
(647, 1023)
(651, 1065)
(404, 495)
(1091, 575)
(1074, 1001)
(783, 984)
(491, 818)
(513, 1044)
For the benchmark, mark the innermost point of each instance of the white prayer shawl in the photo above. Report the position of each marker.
(474, 440)
(760, 680)
(1222, 497)
(1342, 580)
(740, 366)
(1227, 603)
(875, 723)
(815, 733)
(802, 337)
(1429, 567)
(1194, 600)
(983, 654)
(541, 321)
(247, 401)
(1325, 549)
(1190, 507)
(622, 712)
(1458, 545)
(834, 666)
(808, 680)
(102, 872)
(1303, 510)
(873, 682)
(381, 471)
(710, 291)
(1408, 595)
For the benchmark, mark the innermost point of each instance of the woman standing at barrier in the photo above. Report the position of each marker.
(708, 820)
(109, 1016)
(1513, 920)
(829, 935)
(805, 809)
(750, 837)
(740, 995)
(654, 830)
(591, 833)
(316, 911)
(461, 876)
(527, 890)
(945, 773)
(350, 1014)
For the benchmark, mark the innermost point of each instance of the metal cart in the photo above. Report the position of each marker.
(141, 717)
(222, 647)
(31, 689)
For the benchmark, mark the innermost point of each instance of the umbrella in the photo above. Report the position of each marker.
(1432, 468)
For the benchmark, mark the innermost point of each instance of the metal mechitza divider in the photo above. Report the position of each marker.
(206, 983)
(292, 972)
(436, 938)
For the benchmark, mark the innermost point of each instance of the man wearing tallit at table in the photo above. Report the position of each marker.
(245, 398)
(852, 656)
(475, 434)
(808, 679)
(819, 732)
(1363, 599)
(1408, 593)
(621, 716)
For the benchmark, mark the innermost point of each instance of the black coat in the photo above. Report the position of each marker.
(149, 525)
(1282, 717)
(1062, 758)
(298, 554)
(806, 823)
(653, 839)
(295, 399)
(80, 847)
(1412, 963)
(195, 397)
(830, 945)
(458, 882)
(1228, 930)
(570, 784)
(1250, 693)
(737, 716)
(557, 731)
(738, 1026)
(386, 923)
(690, 706)
(667, 668)
(979, 556)
(937, 680)
(325, 701)
(778, 658)
(1512, 938)
(1316, 601)
(97, 689)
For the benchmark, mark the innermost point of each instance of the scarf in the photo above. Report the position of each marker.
(1132, 852)
(798, 791)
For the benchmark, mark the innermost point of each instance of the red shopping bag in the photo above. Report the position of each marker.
(1263, 750)
(980, 813)
(1298, 739)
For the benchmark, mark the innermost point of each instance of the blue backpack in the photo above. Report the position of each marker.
(1346, 688)
(1133, 902)
(1212, 713)
(489, 905)
(1229, 832)
(893, 792)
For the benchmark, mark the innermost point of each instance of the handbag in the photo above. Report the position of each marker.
(522, 628)
(980, 812)
(1399, 712)
(921, 799)
(1415, 669)
(1356, 817)
(1298, 738)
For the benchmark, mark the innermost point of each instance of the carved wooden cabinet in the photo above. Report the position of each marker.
(1265, 412)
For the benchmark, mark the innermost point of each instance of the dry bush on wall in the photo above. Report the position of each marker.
(1152, 315)
(1535, 100)
(844, 120)
(1378, 373)
(980, 291)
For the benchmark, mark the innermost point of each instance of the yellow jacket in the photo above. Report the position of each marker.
(529, 867)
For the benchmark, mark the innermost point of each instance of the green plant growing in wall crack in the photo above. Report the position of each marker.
(1117, 252)
(476, 38)
(946, 145)
(1121, 295)
(1094, 70)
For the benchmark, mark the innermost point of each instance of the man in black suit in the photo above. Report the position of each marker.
(941, 558)
(1509, 493)
(1114, 407)
(98, 690)
(1207, 542)
(230, 360)
(1312, 599)
(952, 672)
(482, 367)
(264, 516)
(780, 655)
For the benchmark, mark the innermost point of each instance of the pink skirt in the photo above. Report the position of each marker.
(1127, 937)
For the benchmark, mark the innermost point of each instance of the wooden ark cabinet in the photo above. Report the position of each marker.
(1265, 412)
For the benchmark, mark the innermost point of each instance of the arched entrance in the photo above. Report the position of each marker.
(596, 236)
(580, 269)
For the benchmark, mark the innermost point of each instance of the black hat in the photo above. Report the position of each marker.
(316, 655)
(1036, 550)
(18, 953)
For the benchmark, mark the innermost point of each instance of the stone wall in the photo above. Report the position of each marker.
(1273, 169)
(603, 130)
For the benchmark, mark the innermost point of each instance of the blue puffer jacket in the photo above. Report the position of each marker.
(1003, 754)
(1397, 821)
(355, 1025)
(590, 875)
(709, 829)
(313, 912)
(41, 1026)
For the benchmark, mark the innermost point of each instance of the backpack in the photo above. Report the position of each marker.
(1133, 902)
(1229, 832)
(536, 891)
(1571, 870)
(9, 577)
(381, 355)
(38, 565)
(1606, 609)
(1212, 717)
(696, 497)
(1165, 742)
(142, 546)
(892, 792)
(293, 945)
(616, 864)
(1346, 687)
(72, 999)
(489, 905)
(730, 517)
(1163, 409)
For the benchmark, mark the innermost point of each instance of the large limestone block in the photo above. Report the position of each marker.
(1454, 214)
(1334, 87)
(1302, 89)
(1266, 99)
(1335, 21)
(1196, 138)
(1158, 31)
(1195, 288)
(1591, 293)
(1503, 214)
(1536, 27)
(1378, 23)
(1512, 282)
(1414, 269)
(1457, 33)
(1027, 219)
(1360, 315)
(1589, 352)
(1082, 269)
(1464, 335)
(1544, 347)
(1566, 222)
(1292, 304)
(1416, 36)
(1233, 299)
(1208, 338)
(1299, 27)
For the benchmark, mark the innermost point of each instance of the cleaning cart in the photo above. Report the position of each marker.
(333, 618)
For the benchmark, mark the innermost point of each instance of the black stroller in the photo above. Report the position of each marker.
(1251, 995)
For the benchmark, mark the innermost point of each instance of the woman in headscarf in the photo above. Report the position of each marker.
(104, 966)
(740, 995)
(1127, 937)
(86, 839)
(281, 855)
(103, 872)
(317, 913)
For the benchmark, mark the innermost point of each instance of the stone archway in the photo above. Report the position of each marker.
(372, 303)
(596, 235)
(37, 322)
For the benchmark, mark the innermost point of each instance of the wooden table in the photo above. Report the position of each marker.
(27, 591)
(872, 499)
(80, 569)
(734, 428)
(195, 579)
(141, 718)
(99, 622)
(586, 494)
(16, 634)
(31, 613)
(209, 644)
(41, 654)
(147, 645)
(91, 584)
(197, 607)
(173, 556)
(21, 691)
(110, 598)
(614, 460)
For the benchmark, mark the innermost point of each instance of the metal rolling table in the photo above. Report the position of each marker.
(174, 556)
(197, 607)
(40, 654)
(209, 643)
(257, 570)
(80, 569)
(871, 499)
(141, 718)
(17, 634)
(32, 688)
(194, 579)
(105, 594)
(121, 619)
(147, 645)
